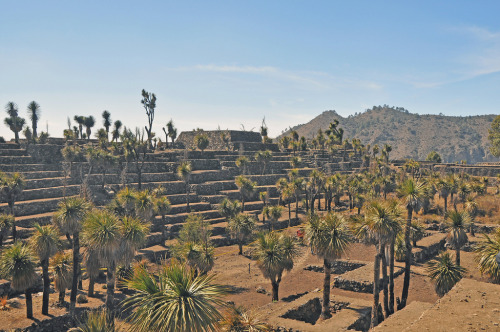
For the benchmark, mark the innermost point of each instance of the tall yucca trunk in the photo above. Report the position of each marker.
(376, 291)
(76, 271)
(46, 287)
(384, 282)
(326, 289)
(406, 282)
(391, 276)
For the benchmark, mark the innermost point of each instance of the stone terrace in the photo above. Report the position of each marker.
(212, 179)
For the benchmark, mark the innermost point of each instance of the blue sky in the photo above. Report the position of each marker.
(230, 63)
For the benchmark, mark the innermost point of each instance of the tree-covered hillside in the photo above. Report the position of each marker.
(413, 135)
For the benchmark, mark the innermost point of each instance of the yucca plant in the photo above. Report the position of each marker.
(62, 267)
(238, 319)
(6, 223)
(457, 224)
(444, 272)
(487, 252)
(241, 228)
(184, 171)
(329, 238)
(69, 219)
(275, 254)
(45, 243)
(17, 263)
(174, 300)
(96, 321)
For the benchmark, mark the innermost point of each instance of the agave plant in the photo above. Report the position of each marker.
(174, 300)
(444, 272)
(487, 252)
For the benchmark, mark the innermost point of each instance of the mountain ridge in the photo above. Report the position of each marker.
(412, 135)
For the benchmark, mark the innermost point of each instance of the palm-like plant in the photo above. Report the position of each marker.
(14, 122)
(68, 219)
(80, 120)
(34, 114)
(242, 163)
(106, 120)
(62, 268)
(328, 237)
(11, 187)
(18, 264)
(444, 272)
(273, 213)
(88, 122)
(116, 130)
(457, 223)
(45, 243)
(229, 209)
(92, 267)
(184, 172)
(246, 187)
(6, 223)
(241, 228)
(487, 252)
(275, 254)
(263, 158)
(174, 300)
(411, 194)
(101, 232)
(162, 206)
(381, 225)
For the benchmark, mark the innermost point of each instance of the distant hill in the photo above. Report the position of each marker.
(413, 135)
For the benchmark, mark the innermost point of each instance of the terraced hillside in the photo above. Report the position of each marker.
(212, 179)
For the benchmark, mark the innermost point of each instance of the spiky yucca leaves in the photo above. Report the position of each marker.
(144, 204)
(198, 257)
(45, 243)
(62, 268)
(228, 208)
(133, 233)
(275, 253)
(238, 319)
(457, 224)
(17, 263)
(329, 238)
(162, 206)
(96, 321)
(184, 171)
(246, 188)
(174, 300)
(241, 228)
(6, 223)
(444, 272)
(92, 266)
(101, 232)
(11, 186)
(412, 194)
(68, 219)
(486, 253)
(273, 213)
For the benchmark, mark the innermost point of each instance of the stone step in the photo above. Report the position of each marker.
(403, 318)
(155, 253)
(12, 152)
(181, 217)
(51, 192)
(32, 207)
(212, 199)
(41, 175)
(21, 168)
(16, 160)
(155, 238)
(9, 146)
(209, 175)
(214, 187)
(47, 183)
(31, 220)
(194, 207)
(263, 180)
(182, 198)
